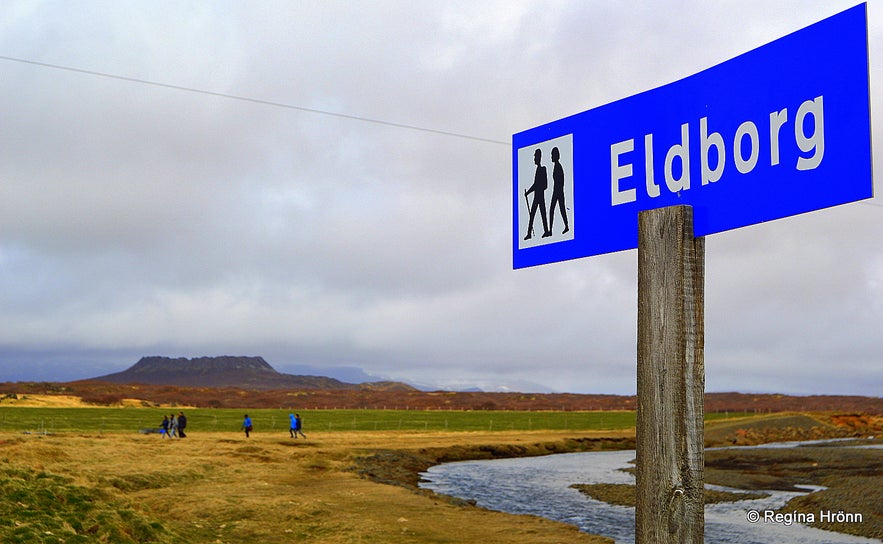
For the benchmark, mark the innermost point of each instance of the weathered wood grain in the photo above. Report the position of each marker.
(671, 379)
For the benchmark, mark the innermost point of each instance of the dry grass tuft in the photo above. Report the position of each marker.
(222, 487)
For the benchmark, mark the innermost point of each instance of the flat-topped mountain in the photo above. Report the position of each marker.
(229, 371)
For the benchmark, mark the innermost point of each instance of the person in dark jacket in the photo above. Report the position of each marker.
(182, 423)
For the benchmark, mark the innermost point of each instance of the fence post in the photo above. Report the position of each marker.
(671, 379)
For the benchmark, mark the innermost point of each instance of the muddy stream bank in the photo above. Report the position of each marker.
(849, 479)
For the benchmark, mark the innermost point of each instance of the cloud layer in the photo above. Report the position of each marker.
(139, 219)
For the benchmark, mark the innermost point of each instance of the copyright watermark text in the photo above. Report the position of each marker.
(790, 518)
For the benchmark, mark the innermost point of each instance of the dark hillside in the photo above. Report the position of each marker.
(225, 371)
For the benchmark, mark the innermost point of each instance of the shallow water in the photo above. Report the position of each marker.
(541, 486)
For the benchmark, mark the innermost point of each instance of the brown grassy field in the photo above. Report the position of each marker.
(224, 488)
(97, 393)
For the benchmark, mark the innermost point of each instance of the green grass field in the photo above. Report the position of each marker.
(113, 420)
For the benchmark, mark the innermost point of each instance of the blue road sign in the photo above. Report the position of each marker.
(778, 131)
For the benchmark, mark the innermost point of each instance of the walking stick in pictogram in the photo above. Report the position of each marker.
(526, 201)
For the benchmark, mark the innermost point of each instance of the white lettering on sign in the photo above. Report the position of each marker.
(815, 143)
(745, 145)
(681, 151)
(706, 142)
(618, 172)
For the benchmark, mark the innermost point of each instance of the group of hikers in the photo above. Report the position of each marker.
(540, 183)
(295, 426)
(173, 426)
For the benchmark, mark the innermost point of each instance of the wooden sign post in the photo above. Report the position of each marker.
(739, 178)
(671, 379)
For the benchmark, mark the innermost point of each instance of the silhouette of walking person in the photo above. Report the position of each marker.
(540, 182)
(558, 191)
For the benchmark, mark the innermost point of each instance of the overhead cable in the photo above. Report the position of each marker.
(254, 100)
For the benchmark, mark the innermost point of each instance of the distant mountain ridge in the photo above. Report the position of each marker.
(244, 372)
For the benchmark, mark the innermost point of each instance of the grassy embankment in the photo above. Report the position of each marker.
(86, 475)
(93, 479)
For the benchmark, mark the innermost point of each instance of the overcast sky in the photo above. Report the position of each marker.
(140, 219)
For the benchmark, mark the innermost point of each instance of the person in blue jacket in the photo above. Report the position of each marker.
(164, 427)
(298, 425)
(246, 425)
(292, 426)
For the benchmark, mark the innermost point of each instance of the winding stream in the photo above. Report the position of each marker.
(541, 486)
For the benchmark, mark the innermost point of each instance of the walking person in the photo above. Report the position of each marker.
(558, 191)
(292, 426)
(246, 425)
(173, 427)
(182, 423)
(298, 426)
(164, 427)
(540, 183)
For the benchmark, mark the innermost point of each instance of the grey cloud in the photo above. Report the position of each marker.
(137, 219)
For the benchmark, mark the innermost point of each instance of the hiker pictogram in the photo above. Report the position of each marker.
(534, 188)
(540, 182)
(558, 192)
